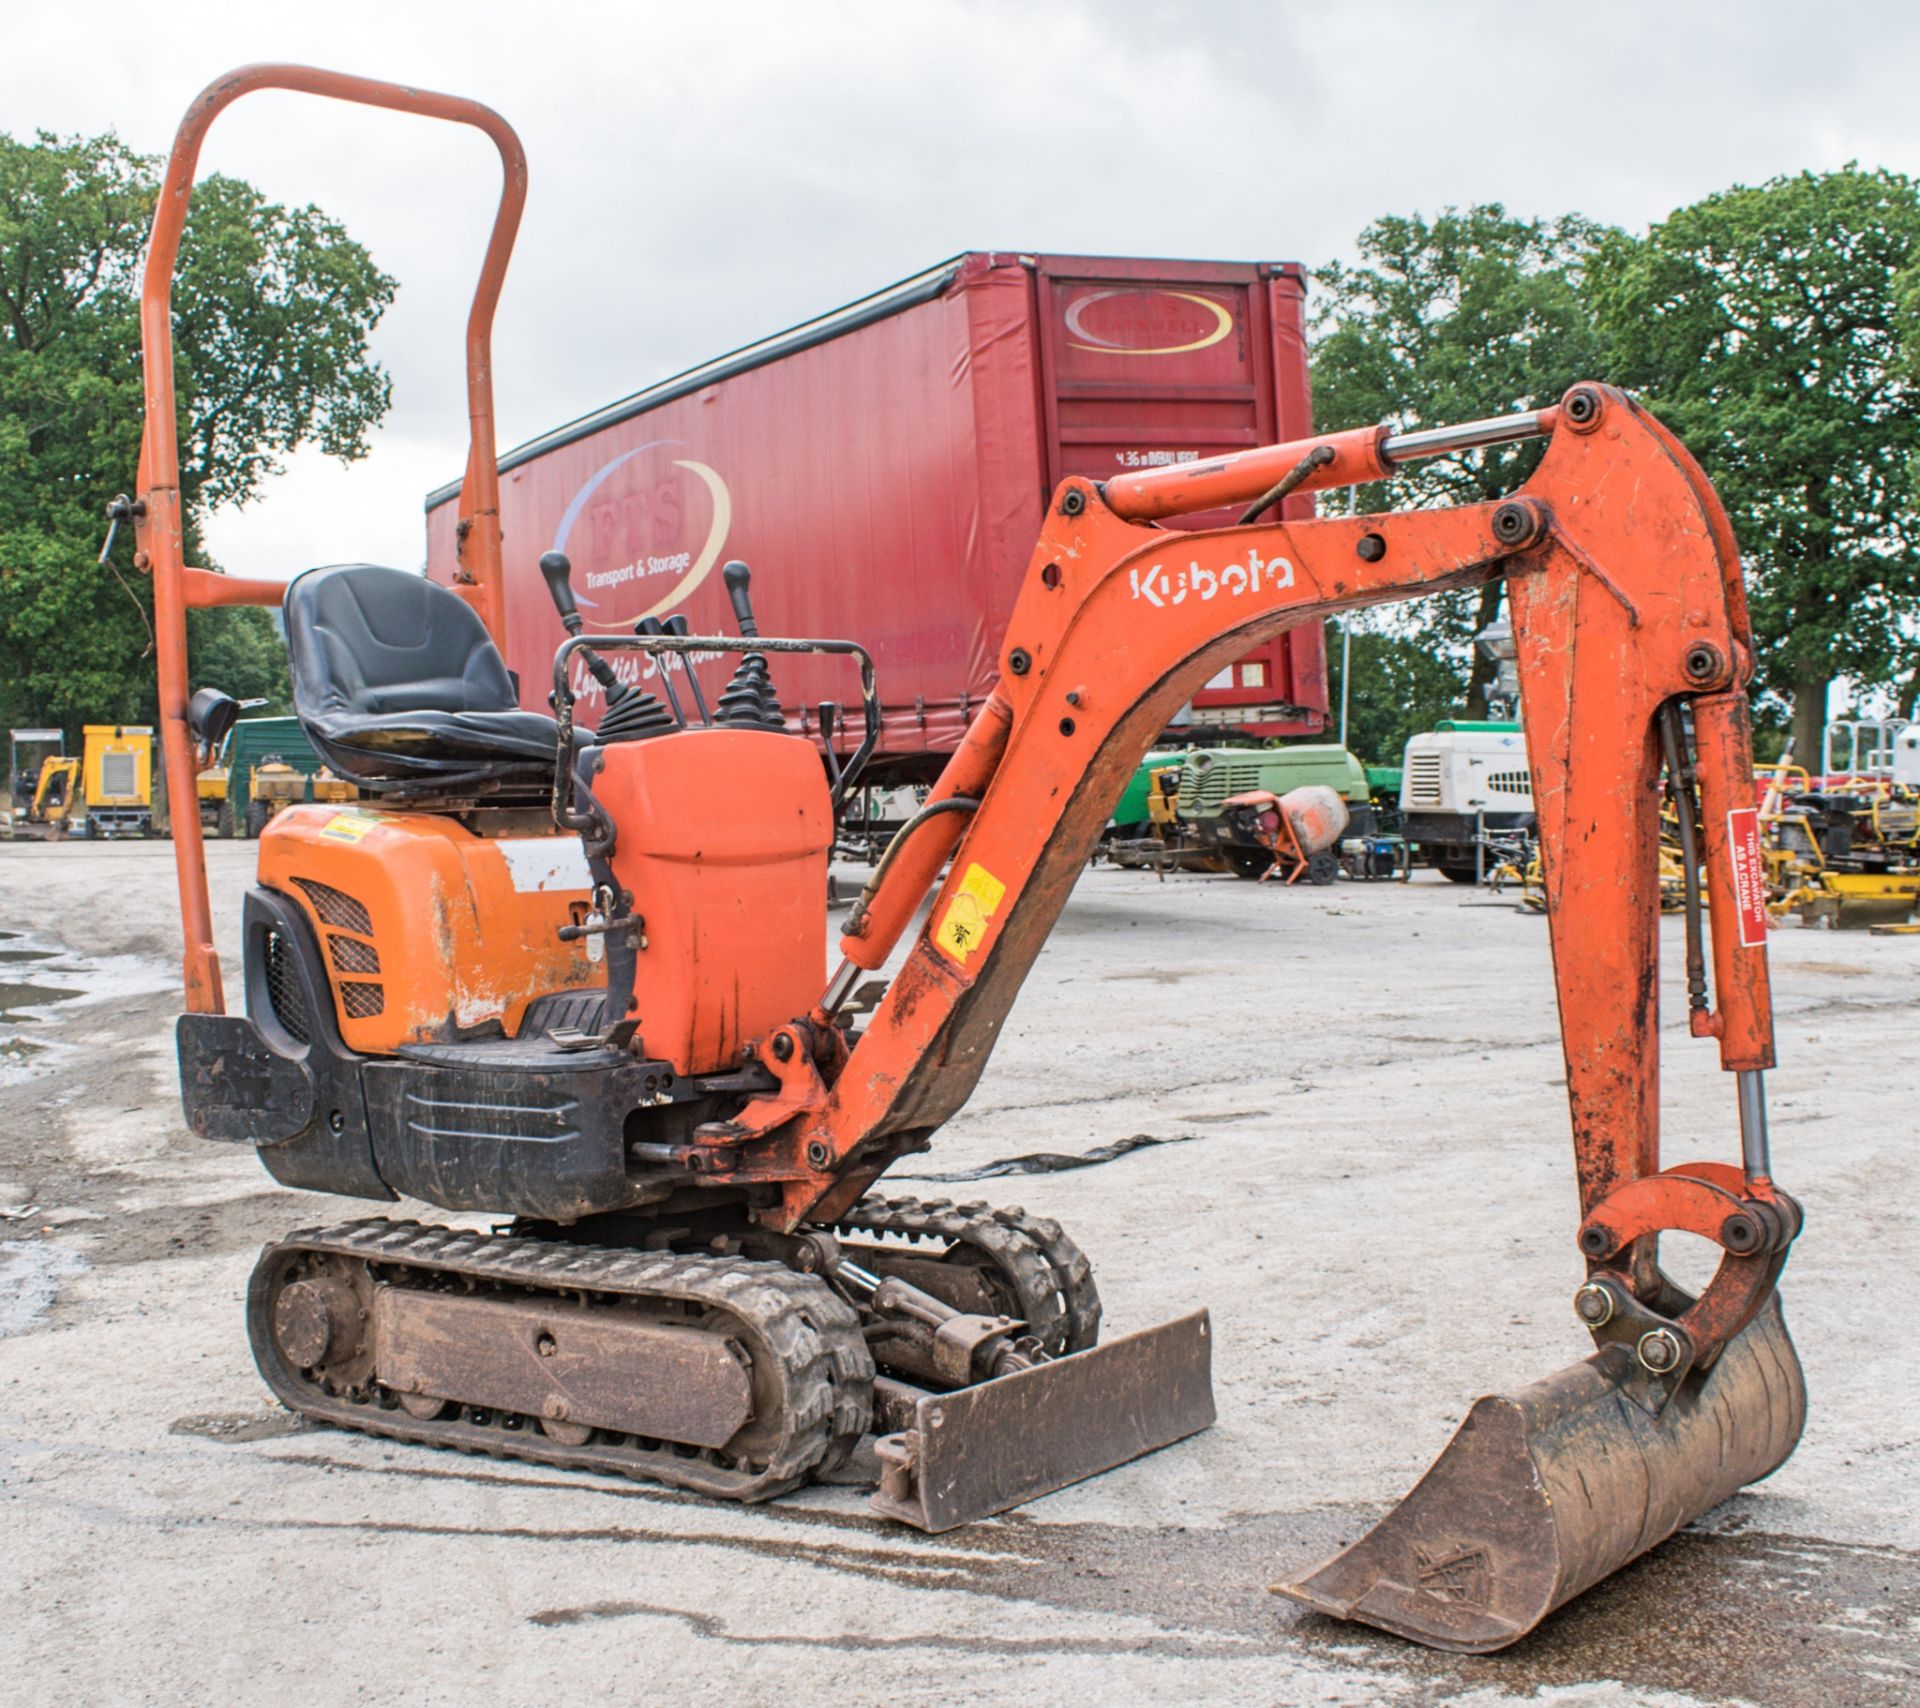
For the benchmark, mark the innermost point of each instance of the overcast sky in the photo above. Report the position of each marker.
(704, 174)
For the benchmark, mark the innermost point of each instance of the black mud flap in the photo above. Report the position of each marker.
(981, 1450)
(235, 1086)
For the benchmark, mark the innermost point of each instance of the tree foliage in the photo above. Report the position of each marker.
(1469, 314)
(1400, 687)
(1765, 326)
(272, 311)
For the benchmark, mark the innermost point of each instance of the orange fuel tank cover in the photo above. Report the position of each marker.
(723, 838)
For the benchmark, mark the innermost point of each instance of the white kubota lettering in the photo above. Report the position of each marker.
(1160, 589)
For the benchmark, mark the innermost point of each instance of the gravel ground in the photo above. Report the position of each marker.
(1372, 1190)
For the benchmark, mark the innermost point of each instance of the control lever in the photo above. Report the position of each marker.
(677, 625)
(651, 626)
(630, 713)
(737, 577)
(558, 568)
(829, 728)
(749, 701)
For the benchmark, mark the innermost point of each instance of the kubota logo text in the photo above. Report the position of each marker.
(1161, 322)
(1161, 587)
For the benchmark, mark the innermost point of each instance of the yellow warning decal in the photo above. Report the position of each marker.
(348, 827)
(964, 923)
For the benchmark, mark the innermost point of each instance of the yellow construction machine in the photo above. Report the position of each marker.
(43, 797)
(1845, 853)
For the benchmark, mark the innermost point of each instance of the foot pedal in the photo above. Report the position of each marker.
(984, 1449)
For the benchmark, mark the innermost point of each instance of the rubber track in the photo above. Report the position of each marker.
(1050, 1274)
(798, 1319)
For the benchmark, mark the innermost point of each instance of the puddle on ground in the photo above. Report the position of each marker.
(30, 1279)
(17, 993)
(240, 1425)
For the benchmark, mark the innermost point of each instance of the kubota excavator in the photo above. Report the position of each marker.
(578, 979)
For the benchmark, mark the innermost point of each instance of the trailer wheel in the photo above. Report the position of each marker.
(1324, 867)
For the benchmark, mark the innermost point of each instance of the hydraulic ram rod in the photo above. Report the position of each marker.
(1360, 455)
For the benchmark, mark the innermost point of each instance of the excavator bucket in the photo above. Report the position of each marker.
(980, 1450)
(1542, 1493)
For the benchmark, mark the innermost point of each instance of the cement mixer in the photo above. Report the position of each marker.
(1298, 833)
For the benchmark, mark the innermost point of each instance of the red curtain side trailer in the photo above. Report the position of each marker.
(884, 470)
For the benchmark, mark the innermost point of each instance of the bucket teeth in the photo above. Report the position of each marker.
(1543, 1493)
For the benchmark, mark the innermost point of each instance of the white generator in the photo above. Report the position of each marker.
(1458, 782)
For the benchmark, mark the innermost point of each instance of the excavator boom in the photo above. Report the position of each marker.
(1634, 654)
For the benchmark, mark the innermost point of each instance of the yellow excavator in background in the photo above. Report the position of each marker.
(41, 799)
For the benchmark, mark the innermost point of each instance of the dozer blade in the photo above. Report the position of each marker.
(1862, 900)
(981, 1450)
(1541, 1494)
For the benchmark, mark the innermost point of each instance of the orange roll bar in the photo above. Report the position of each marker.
(158, 519)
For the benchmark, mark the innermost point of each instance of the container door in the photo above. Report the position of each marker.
(1152, 363)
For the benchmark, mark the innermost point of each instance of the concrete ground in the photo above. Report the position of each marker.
(1372, 1188)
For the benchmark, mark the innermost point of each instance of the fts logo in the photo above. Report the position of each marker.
(645, 530)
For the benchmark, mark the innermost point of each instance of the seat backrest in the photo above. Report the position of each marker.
(367, 641)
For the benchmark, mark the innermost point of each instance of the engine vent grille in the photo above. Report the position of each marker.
(350, 955)
(284, 994)
(335, 907)
(118, 775)
(1511, 783)
(1423, 780)
(362, 1001)
(1201, 792)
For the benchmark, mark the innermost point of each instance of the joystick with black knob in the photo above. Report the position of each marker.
(631, 713)
(558, 570)
(749, 701)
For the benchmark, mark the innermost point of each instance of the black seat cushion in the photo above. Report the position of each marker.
(396, 682)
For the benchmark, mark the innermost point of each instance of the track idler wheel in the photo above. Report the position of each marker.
(976, 1257)
(1543, 1493)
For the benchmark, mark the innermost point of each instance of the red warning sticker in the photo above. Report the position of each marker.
(1749, 875)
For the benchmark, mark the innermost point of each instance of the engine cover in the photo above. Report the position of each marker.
(723, 837)
(429, 932)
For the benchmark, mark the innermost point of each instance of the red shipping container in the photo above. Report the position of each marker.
(884, 469)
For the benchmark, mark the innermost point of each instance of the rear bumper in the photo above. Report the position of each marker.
(481, 1128)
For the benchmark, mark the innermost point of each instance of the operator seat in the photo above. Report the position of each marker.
(399, 686)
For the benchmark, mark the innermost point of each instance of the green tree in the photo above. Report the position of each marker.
(1469, 314)
(273, 309)
(1400, 687)
(1764, 326)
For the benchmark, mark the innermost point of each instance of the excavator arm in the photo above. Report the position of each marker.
(1627, 607)
(1634, 655)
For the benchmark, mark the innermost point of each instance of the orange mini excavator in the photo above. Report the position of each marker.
(578, 978)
